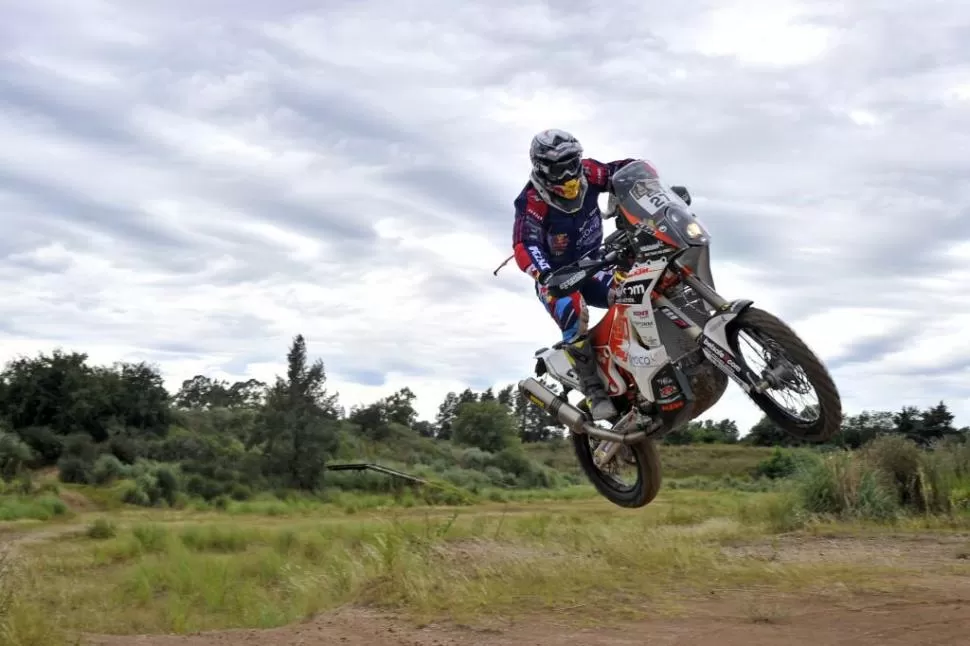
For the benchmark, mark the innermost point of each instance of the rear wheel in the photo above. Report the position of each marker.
(641, 459)
(801, 372)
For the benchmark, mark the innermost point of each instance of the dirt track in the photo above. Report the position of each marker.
(934, 610)
(886, 622)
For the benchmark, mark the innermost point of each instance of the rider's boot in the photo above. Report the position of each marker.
(580, 352)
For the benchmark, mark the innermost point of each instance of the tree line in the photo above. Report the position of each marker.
(97, 423)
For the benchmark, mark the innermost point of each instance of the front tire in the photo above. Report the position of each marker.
(768, 327)
(649, 473)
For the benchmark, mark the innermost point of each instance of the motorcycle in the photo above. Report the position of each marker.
(669, 343)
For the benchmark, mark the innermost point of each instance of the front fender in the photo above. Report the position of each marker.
(716, 326)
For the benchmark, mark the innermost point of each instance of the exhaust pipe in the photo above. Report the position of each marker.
(571, 416)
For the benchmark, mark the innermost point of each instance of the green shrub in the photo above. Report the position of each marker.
(107, 468)
(102, 528)
(15, 455)
(37, 508)
(781, 464)
(74, 469)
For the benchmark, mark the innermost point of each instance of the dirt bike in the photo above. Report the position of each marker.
(662, 371)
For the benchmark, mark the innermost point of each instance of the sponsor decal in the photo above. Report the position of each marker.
(628, 294)
(537, 258)
(641, 271)
(559, 243)
(591, 229)
(722, 355)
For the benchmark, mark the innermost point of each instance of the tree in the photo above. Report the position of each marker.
(486, 425)
(49, 397)
(446, 416)
(57, 391)
(140, 399)
(533, 424)
(424, 428)
(375, 420)
(909, 423)
(247, 394)
(201, 392)
(936, 422)
(399, 407)
(864, 427)
(506, 396)
(724, 431)
(297, 430)
(767, 433)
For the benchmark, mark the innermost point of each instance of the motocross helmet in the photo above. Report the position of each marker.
(557, 169)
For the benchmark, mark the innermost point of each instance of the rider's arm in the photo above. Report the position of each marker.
(529, 236)
(599, 174)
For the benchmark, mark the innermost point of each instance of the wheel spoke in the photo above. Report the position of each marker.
(793, 383)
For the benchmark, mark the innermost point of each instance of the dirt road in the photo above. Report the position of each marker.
(792, 622)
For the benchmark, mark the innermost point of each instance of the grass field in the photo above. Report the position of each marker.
(163, 571)
(78, 566)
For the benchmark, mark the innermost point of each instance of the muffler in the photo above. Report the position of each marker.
(572, 417)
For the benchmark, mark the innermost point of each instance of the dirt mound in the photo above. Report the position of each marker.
(76, 502)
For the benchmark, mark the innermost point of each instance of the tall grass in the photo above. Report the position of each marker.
(889, 477)
(22, 621)
(22, 507)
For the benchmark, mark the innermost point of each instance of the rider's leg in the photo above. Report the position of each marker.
(572, 315)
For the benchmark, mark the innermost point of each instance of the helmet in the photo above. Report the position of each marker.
(557, 169)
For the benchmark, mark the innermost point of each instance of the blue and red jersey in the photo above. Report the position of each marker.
(545, 238)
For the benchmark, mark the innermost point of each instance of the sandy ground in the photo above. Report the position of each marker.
(934, 610)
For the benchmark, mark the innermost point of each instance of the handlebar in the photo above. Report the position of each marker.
(566, 279)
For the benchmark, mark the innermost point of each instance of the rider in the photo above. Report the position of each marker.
(557, 221)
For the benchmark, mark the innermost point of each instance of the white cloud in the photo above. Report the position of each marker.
(762, 33)
(195, 183)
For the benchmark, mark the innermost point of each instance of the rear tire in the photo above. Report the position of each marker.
(649, 473)
(771, 327)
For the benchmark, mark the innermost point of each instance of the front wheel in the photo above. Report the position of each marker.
(643, 457)
(801, 371)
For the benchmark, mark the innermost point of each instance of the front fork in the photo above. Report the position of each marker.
(711, 337)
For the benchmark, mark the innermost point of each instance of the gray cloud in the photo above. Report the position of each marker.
(62, 204)
(195, 183)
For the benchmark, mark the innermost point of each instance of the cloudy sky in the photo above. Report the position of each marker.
(193, 183)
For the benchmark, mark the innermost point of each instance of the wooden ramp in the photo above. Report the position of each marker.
(363, 466)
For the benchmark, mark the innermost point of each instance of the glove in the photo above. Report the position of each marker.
(541, 278)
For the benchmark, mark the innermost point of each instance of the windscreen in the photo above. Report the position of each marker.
(645, 201)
